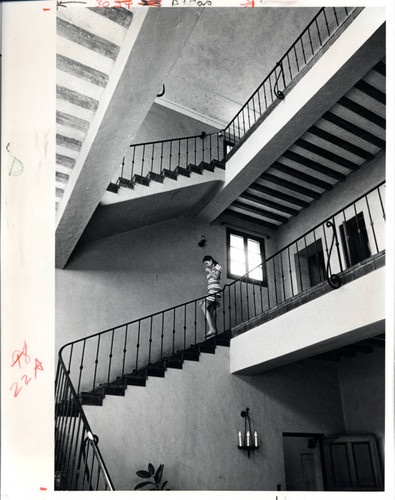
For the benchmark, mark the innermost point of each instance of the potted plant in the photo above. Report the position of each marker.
(155, 477)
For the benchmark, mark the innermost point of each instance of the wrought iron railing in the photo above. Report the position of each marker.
(307, 46)
(78, 462)
(107, 360)
(348, 237)
(159, 159)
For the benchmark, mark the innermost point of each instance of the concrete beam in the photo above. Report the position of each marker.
(294, 335)
(350, 57)
(160, 41)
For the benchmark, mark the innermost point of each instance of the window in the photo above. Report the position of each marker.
(245, 253)
(354, 238)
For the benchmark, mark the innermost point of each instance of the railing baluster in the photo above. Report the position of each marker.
(372, 224)
(124, 350)
(138, 346)
(282, 275)
(311, 42)
(179, 153)
(185, 326)
(326, 22)
(142, 162)
(275, 279)
(161, 157)
(133, 157)
(110, 356)
(96, 361)
(152, 157)
(381, 203)
(358, 228)
(174, 330)
(299, 266)
(170, 155)
(290, 273)
(81, 366)
(162, 335)
(303, 51)
(318, 32)
(150, 342)
(335, 13)
(195, 321)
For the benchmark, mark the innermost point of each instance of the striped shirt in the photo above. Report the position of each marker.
(214, 286)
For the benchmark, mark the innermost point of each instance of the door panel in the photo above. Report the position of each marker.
(352, 463)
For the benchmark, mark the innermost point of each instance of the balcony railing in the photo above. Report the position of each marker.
(169, 158)
(107, 360)
(307, 46)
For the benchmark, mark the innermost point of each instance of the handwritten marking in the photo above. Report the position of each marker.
(250, 3)
(46, 9)
(37, 367)
(43, 489)
(126, 3)
(27, 379)
(151, 3)
(17, 356)
(62, 3)
(202, 4)
(19, 171)
(17, 391)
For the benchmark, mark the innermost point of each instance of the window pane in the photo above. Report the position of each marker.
(256, 274)
(253, 246)
(237, 254)
(236, 241)
(237, 268)
(253, 260)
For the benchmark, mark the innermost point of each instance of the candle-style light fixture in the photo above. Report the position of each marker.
(249, 441)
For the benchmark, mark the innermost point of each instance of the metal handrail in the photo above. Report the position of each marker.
(202, 135)
(290, 66)
(106, 360)
(65, 392)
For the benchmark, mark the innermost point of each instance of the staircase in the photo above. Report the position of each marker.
(139, 378)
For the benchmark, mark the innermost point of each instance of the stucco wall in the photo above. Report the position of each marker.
(362, 384)
(128, 276)
(189, 421)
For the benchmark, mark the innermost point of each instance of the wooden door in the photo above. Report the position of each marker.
(352, 463)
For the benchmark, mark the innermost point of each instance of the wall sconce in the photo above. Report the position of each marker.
(202, 241)
(249, 441)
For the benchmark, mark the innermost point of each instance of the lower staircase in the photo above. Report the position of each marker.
(118, 386)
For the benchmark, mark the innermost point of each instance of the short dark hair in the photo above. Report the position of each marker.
(208, 257)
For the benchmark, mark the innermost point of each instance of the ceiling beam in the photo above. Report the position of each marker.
(325, 153)
(258, 211)
(314, 165)
(371, 91)
(362, 111)
(354, 129)
(278, 194)
(293, 172)
(268, 203)
(290, 185)
(341, 143)
(253, 220)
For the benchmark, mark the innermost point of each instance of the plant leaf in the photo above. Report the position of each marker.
(141, 485)
(143, 473)
(163, 485)
(159, 472)
(151, 469)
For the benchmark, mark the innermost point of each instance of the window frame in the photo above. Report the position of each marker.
(245, 237)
